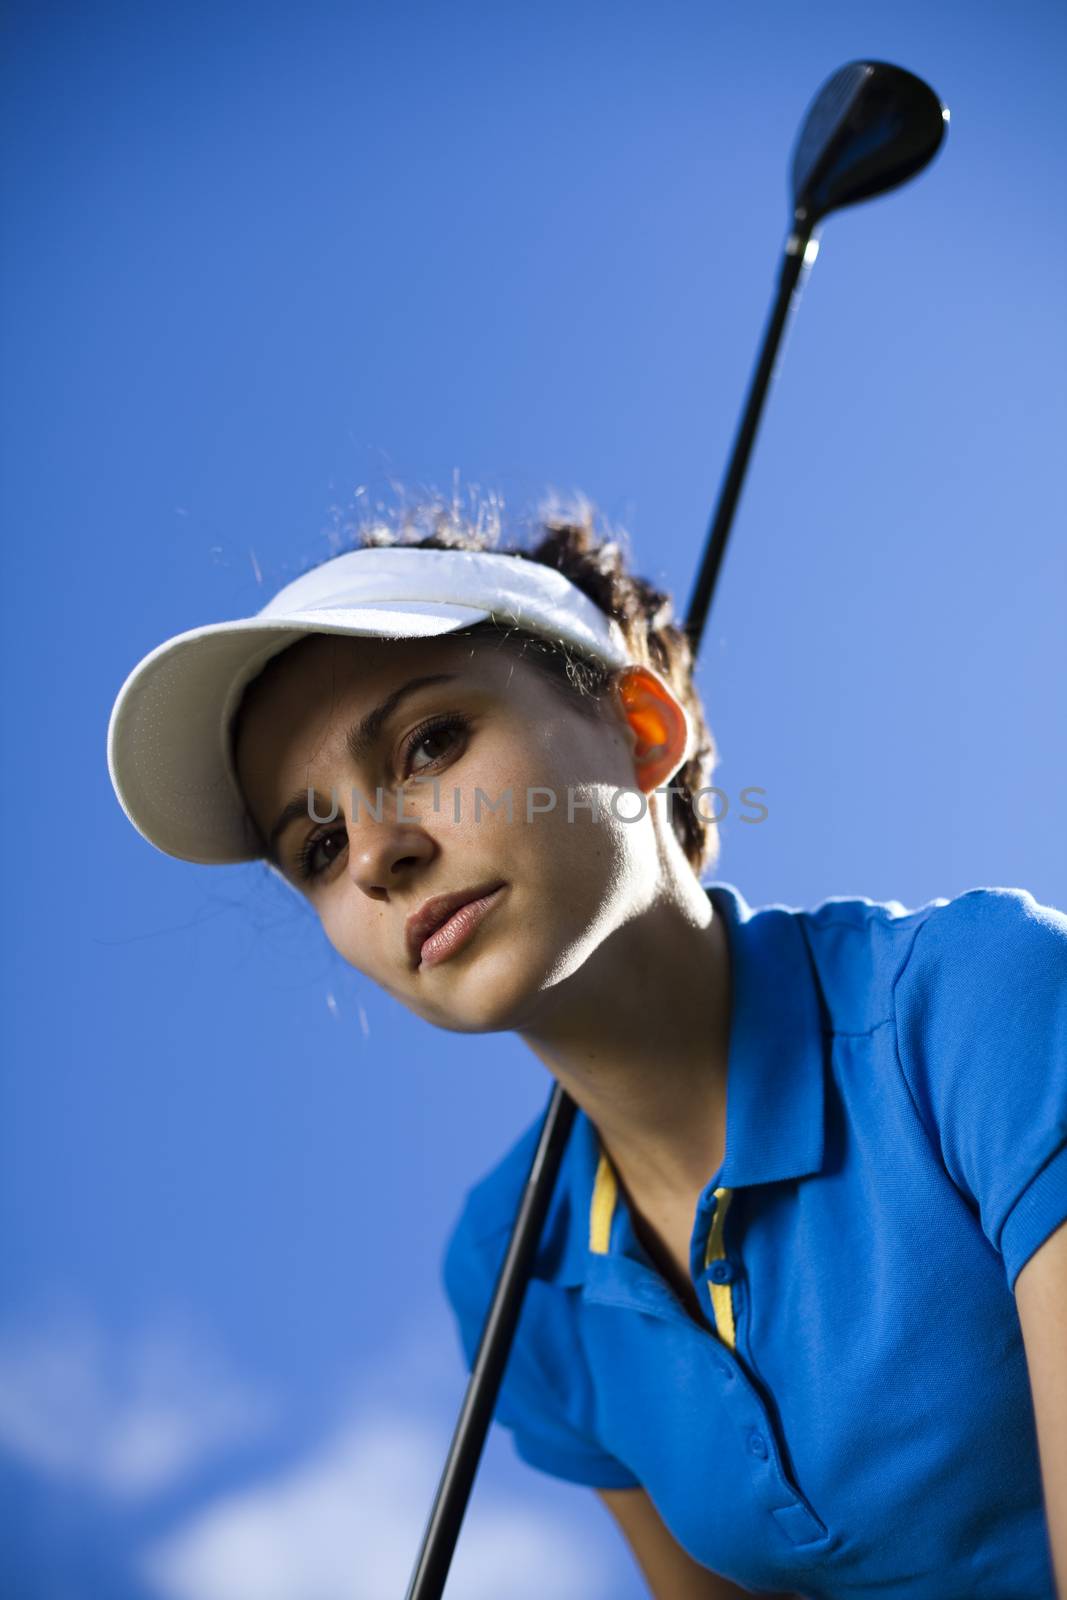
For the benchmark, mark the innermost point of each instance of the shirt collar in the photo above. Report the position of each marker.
(774, 1087)
(774, 1093)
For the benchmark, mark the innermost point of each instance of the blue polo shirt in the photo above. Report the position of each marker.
(852, 1417)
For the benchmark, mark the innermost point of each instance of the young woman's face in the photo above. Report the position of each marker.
(489, 722)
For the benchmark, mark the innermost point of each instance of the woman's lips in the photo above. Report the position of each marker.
(454, 934)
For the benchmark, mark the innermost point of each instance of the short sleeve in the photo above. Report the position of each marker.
(981, 1018)
(540, 1397)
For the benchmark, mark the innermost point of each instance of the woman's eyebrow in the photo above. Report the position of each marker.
(360, 738)
(359, 741)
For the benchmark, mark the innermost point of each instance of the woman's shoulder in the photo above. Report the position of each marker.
(490, 1203)
(983, 977)
(986, 947)
(980, 1013)
(873, 955)
(978, 908)
(478, 1235)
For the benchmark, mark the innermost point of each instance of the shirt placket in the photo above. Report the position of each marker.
(718, 1271)
(615, 1278)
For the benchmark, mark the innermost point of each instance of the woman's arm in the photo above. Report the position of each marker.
(671, 1571)
(1041, 1300)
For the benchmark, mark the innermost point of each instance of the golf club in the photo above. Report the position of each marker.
(870, 127)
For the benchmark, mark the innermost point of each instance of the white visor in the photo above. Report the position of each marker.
(168, 740)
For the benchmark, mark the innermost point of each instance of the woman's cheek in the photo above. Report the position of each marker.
(352, 944)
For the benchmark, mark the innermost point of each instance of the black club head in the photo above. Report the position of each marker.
(870, 127)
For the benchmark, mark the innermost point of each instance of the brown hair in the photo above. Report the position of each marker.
(595, 564)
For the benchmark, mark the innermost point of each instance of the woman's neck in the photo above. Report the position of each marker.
(640, 1041)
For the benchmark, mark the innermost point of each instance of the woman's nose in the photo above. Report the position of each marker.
(381, 854)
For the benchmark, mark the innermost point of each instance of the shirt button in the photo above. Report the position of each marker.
(722, 1272)
(726, 1370)
(757, 1446)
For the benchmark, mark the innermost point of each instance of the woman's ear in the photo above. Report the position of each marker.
(658, 724)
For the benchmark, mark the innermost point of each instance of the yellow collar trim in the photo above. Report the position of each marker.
(602, 1210)
(722, 1297)
(602, 1214)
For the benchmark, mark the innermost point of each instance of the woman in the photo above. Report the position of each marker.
(771, 1317)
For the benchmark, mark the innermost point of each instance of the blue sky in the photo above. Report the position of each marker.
(263, 265)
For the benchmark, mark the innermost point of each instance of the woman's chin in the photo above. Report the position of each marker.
(494, 992)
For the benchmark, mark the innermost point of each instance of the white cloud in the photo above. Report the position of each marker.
(343, 1523)
(347, 1525)
(128, 1422)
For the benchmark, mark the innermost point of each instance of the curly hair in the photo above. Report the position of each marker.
(596, 564)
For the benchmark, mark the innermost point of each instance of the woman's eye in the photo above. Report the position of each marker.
(439, 737)
(321, 851)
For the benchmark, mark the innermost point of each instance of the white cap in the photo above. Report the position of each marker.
(168, 740)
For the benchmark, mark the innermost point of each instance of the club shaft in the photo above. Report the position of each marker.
(790, 283)
(494, 1347)
(457, 1479)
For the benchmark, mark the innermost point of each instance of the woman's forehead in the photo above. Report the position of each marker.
(322, 661)
(301, 688)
